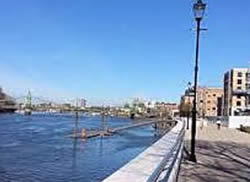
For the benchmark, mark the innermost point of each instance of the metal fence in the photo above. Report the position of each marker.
(168, 169)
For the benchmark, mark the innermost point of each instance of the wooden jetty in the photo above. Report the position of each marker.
(136, 125)
(91, 134)
(111, 131)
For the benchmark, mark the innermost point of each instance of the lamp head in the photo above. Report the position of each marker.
(199, 9)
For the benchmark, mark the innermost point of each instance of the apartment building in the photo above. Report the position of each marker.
(209, 101)
(236, 92)
(212, 102)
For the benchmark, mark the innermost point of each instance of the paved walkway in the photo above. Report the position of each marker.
(222, 155)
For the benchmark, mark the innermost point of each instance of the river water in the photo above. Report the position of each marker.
(36, 148)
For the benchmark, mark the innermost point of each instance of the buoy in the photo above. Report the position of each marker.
(84, 133)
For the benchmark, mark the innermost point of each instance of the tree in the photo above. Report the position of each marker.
(126, 105)
(185, 109)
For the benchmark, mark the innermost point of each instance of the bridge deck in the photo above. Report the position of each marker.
(222, 155)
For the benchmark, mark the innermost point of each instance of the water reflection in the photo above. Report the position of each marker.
(101, 147)
(43, 151)
(74, 151)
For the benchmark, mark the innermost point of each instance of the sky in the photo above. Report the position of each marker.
(117, 49)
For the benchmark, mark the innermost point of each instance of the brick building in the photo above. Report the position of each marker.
(209, 101)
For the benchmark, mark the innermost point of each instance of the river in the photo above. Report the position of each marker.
(36, 148)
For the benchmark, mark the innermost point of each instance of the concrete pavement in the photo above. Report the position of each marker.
(222, 155)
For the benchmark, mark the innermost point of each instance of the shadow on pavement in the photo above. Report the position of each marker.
(217, 161)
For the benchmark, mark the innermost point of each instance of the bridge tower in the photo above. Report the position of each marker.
(28, 104)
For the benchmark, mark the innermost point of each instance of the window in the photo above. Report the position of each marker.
(238, 103)
(214, 95)
(214, 108)
(238, 96)
(239, 81)
(247, 75)
(208, 95)
(208, 109)
(239, 74)
(201, 101)
(238, 88)
(209, 102)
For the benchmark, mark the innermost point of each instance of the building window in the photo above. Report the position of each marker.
(214, 108)
(201, 101)
(238, 103)
(214, 95)
(238, 88)
(248, 86)
(238, 96)
(239, 81)
(239, 74)
(208, 95)
(209, 102)
(208, 109)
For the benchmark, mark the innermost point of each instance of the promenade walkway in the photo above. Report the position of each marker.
(222, 156)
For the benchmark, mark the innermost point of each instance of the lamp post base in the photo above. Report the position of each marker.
(193, 158)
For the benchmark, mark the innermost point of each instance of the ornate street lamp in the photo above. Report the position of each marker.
(199, 9)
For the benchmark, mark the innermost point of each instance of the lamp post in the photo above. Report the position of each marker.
(199, 9)
(189, 95)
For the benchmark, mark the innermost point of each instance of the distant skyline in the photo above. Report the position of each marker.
(116, 50)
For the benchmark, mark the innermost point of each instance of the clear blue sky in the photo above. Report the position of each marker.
(117, 49)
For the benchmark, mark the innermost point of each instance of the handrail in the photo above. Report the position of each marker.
(159, 161)
(176, 149)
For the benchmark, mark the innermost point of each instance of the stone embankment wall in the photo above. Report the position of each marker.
(159, 161)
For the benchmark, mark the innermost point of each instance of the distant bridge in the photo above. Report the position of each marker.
(36, 100)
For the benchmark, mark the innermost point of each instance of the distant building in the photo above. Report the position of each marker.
(150, 104)
(209, 102)
(138, 106)
(66, 106)
(1, 94)
(83, 103)
(165, 107)
(172, 108)
(236, 92)
(212, 102)
(7, 103)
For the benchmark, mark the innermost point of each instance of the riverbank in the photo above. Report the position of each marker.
(7, 109)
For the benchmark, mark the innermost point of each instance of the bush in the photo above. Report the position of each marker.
(245, 128)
